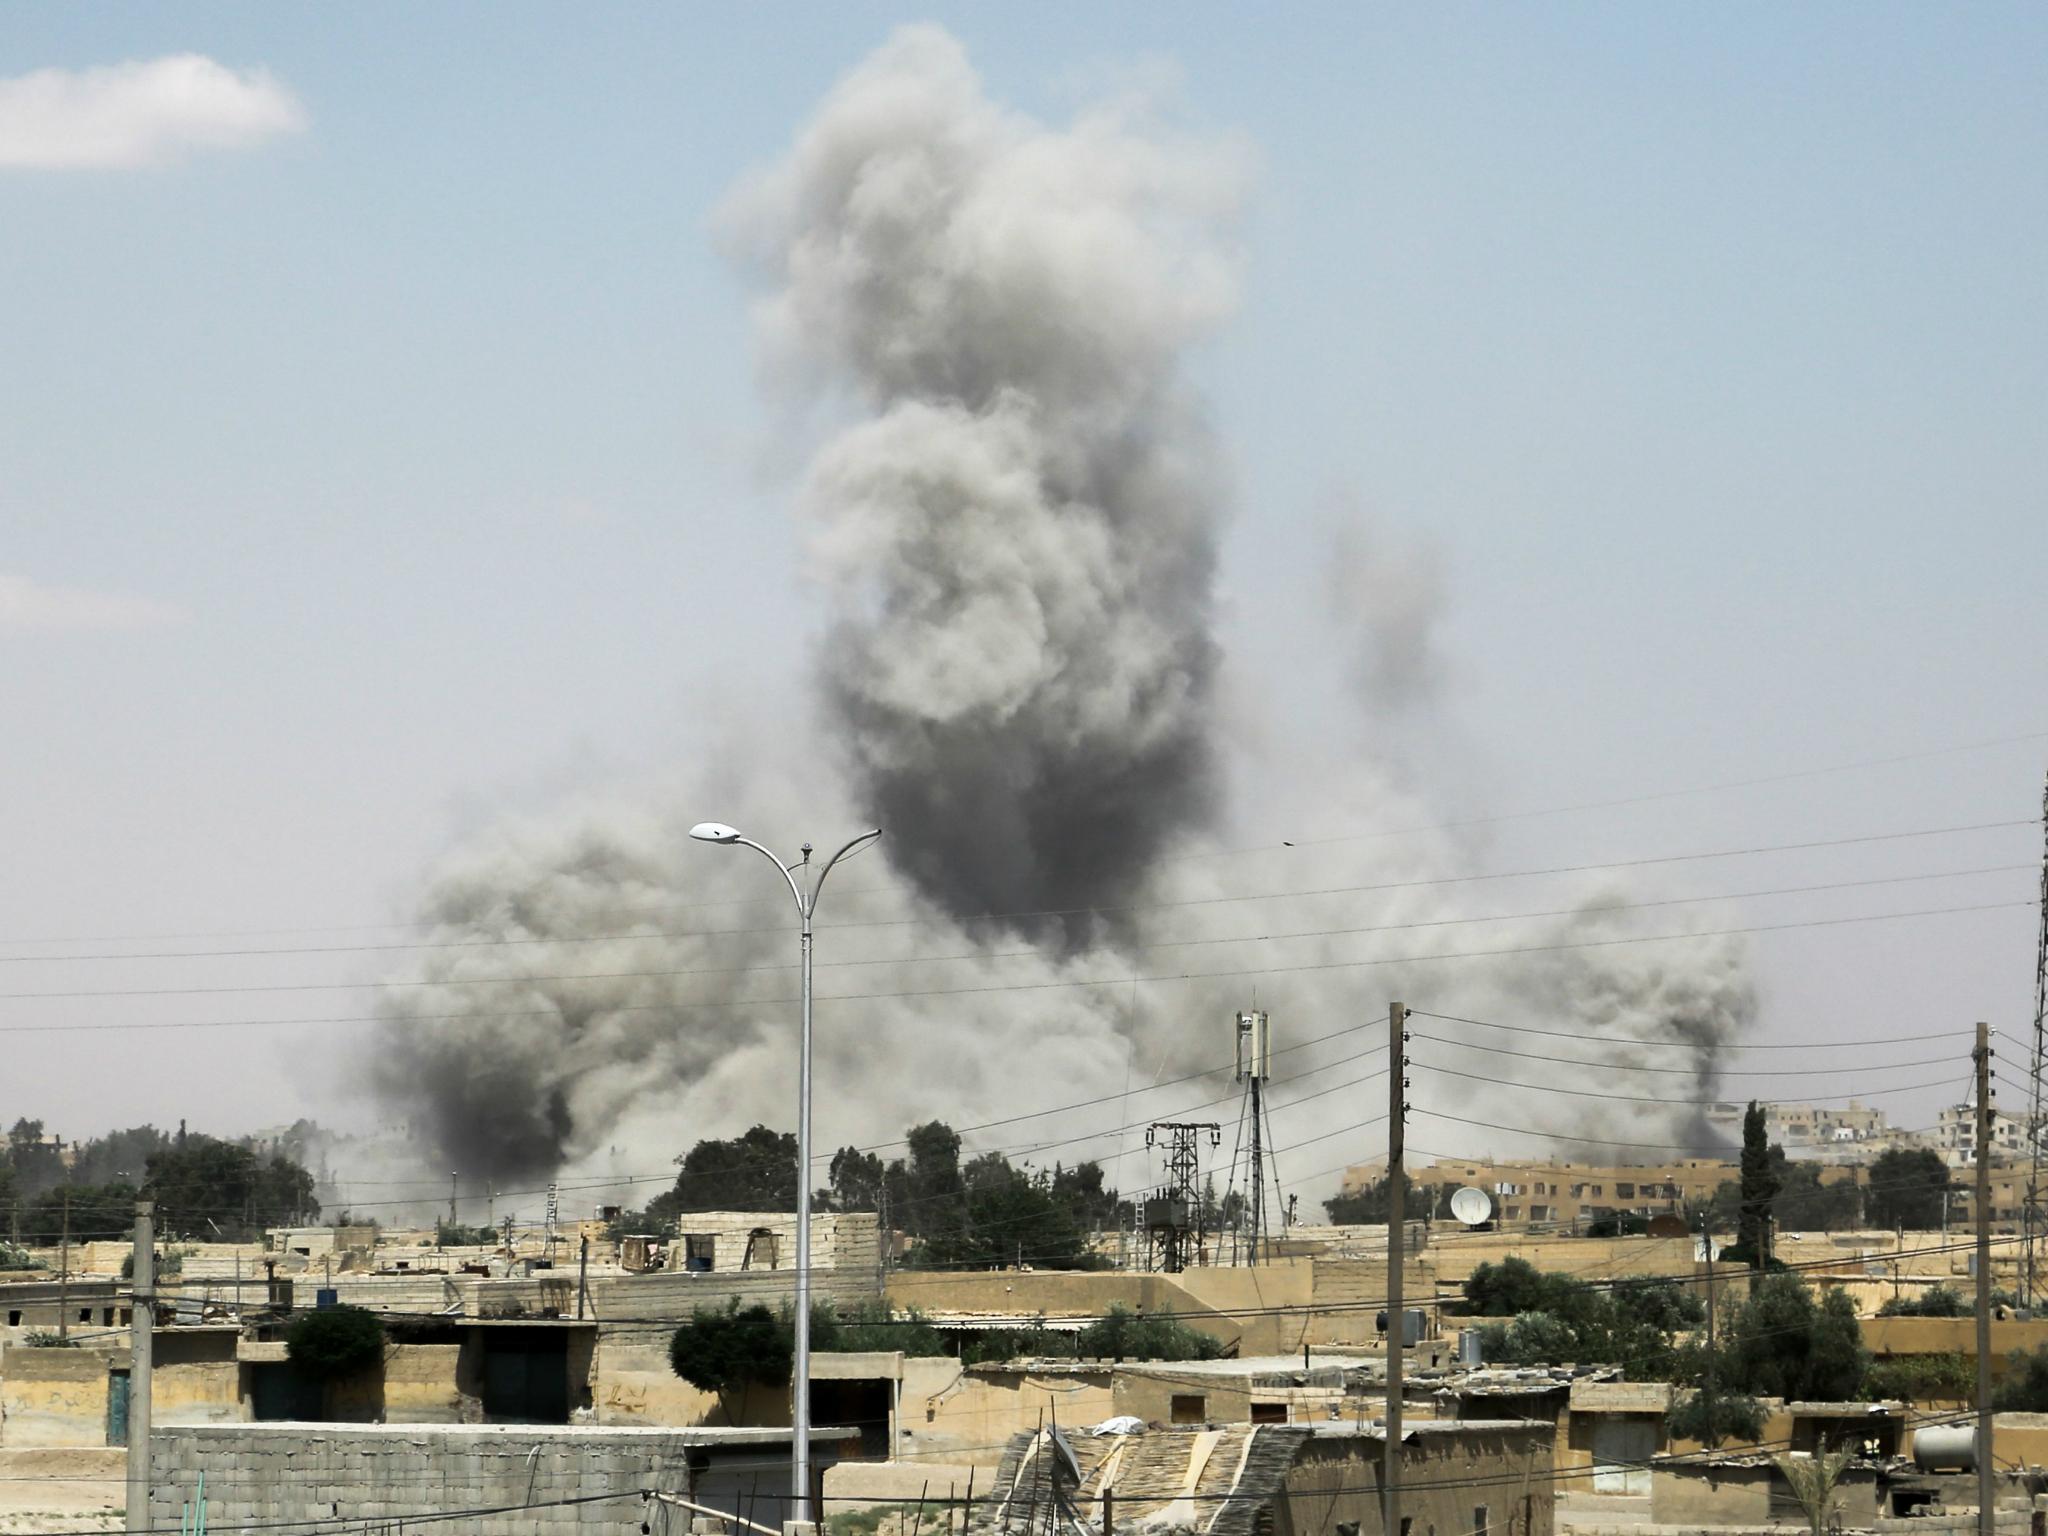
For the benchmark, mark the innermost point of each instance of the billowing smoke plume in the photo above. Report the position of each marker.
(1019, 535)
(1015, 517)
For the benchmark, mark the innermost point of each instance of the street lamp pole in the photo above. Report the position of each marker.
(806, 909)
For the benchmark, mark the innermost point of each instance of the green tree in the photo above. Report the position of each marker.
(37, 1162)
(118, 1156)
(334, 1342)
(856, 1180)
(1712, 1420)
(727, 1349)
(2025, 1388)
(1782, 1343)
(1908, 1189)
(754, 1171)
(101, 1211)
(1805, 1204)
(927, 1195)
(1760, 1186)
(205, 1187)
(1367, 1206)
(1012, 1216)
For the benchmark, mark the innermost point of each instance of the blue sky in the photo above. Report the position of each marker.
(1705, 345)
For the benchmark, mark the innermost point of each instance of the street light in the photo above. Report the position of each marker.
(806, 907)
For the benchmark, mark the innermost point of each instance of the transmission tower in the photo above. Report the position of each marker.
(2035, 1126)
(1174, 1214)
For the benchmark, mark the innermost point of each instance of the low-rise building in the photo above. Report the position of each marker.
(1473, 1478)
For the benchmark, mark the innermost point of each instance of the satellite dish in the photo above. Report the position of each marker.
(1471, 1206)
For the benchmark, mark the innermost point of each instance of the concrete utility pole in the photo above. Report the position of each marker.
(1707, 1391)
(142, 1320)
(1397, 1215)
(64, 1267)
(1987, 1524)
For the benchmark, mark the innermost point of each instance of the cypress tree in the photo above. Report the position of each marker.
(1759, 1188)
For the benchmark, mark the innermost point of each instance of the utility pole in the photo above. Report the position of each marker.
(1707, 1391)
(454, 1193)
(2037, 1125)
(1986, 1503)
(142, 1321)
(64, 1267)
(1397, 1322)
(582, 1276)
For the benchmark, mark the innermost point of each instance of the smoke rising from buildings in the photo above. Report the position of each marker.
(1014, 518)
(1017, 537)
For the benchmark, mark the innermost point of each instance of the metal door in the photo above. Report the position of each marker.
(1617, 1441)
(117, 1407)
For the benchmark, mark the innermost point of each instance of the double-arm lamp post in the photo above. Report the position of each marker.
(804, 886)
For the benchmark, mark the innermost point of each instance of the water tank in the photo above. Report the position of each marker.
(1468, 1347)
(1945, 1448)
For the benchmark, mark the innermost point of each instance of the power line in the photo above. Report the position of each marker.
(1679, 1045)
(1692, 936)
(1625, 1066)
(1469, 821)
(665, 935)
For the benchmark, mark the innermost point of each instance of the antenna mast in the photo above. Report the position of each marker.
(1254, 1067)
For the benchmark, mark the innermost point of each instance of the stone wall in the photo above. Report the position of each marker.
(839, 1240)
(1463, 1481)
(283, 1473)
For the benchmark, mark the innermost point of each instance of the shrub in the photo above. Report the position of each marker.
(1936, 1301)
(1917, 1377)
(335, 1342)
(448, 1234)
(13, 1256)
(724, 1350)
(1126, 1335)
(874, 1325)
(45, 1338)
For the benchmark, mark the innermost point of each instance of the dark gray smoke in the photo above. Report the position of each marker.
(1014, 517)
(1018, 535)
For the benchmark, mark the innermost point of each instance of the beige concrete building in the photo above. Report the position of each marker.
(1565, 1194)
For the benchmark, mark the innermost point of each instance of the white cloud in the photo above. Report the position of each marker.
(30, 605)
(140, 113)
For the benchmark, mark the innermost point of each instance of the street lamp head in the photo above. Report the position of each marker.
(714, 832)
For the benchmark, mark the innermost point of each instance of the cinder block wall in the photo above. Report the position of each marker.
(266, 1473)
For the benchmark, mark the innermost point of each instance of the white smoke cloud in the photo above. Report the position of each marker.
(142, 112)
(1014, 521)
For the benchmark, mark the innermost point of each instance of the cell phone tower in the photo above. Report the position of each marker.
(1254, 1068)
